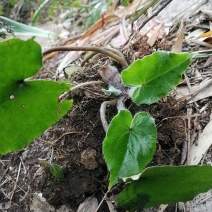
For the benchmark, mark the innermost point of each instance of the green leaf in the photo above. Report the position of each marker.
(23, 29)
(44, 162)
(154, 76)
(166, 185)
(56, 171)
(38, 12)
(129, 144)
(27, 107)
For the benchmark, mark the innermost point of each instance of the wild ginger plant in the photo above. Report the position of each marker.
(130, 142)
(29, 107)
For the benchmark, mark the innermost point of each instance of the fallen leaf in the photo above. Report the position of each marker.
(204, 142)
(89, 205)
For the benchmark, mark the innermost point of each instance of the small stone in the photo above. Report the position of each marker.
(88, 159)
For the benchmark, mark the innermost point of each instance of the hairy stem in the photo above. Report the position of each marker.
(86, 84)
(64, 96)
(102, 112)
(88, 48)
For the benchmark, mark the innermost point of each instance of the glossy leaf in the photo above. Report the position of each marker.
(154, 76)
(27, 107)
(166, 185)
(56, 171)
(129, 144)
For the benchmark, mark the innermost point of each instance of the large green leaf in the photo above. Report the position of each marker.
(129, 144)
(166, 185)
(154, 76)
(27, 107)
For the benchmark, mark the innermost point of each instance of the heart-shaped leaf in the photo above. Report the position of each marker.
(27, 107)
(154, 76)
(129, 144)
(166, 185)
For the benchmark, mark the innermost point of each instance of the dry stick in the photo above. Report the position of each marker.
(3, 176)
(88, 48)
(189, 114)
(189, 87)
(68, 133)
(25, 171)
(14, 188)
(102, 201)
(154, 14)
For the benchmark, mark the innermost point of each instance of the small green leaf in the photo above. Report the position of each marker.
(166, 185)
(129, 144)
(154, 76)
(56, 171)
(38, 12)
(27, 107)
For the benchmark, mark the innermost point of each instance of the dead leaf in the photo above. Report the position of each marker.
(100, 24)
(89, 205)
(177, 48)
(206, 34)
(202, 91)
(111, 206)
(123, 30)
(71, 56)
(203, 144)
(154, 35)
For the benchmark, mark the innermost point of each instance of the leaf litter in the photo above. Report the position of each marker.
(79, 135)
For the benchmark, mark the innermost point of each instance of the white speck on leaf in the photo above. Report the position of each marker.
(12, 97)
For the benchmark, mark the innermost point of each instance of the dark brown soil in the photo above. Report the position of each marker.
(75, 142)
(79, 151)
(80, 154)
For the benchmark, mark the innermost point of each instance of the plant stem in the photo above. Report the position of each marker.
(88, 48)
(88, 58)
(117, 52)
(155, 14)
(102, 112)
(86, 84)
(120, 102)
(201, 55)
(136, 15)
(102, 200)
(64, 96)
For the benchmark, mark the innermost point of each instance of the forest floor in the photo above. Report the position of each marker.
(75, 142)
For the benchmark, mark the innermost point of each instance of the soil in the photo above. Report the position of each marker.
(75, 143)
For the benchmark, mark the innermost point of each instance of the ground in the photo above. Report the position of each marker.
(75, 142)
